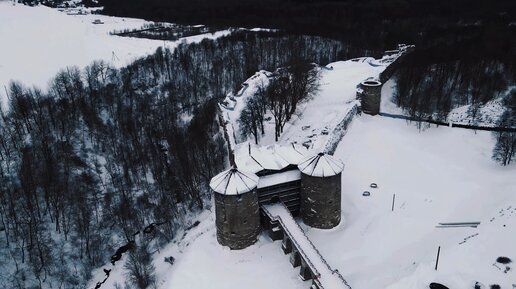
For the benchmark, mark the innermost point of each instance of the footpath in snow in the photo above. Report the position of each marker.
(325, 276)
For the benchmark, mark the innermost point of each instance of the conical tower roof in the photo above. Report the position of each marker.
(234, 182)
(321, 165)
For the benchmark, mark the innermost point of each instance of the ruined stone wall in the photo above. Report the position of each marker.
(237, 218)
(396, 64)
(231, 152)
(339, 131)
(320, 201)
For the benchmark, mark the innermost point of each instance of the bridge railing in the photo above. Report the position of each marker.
(300, 250)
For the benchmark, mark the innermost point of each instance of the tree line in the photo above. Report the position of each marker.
(372, 24)
(473, 69)
(104, 152)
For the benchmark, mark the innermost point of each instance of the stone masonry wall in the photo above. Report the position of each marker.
(371, 97)
(320, 201)
(237, 219)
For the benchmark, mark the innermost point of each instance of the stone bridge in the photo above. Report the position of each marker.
(303, 253)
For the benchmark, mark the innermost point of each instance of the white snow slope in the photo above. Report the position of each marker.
(36, 42)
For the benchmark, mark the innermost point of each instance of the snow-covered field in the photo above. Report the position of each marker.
(36, 42)
(439, 175)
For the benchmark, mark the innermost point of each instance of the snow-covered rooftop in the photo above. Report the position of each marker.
(279, 178)
(293, 153)
(234, 182)
(269, 159)
(273, 157)
(321, 165)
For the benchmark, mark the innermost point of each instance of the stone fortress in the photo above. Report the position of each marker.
(268, 187)
(309, 186)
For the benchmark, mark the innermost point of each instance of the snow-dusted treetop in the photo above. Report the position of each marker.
(234, 182)
(321, 165)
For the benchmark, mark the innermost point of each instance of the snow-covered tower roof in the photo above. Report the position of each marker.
(321, 165)
(234, 182)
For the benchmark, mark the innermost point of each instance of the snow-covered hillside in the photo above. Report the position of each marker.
(36, 42)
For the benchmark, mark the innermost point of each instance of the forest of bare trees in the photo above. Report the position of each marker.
(104, 152)
(432, 91)
(474, 69)
(286, 89)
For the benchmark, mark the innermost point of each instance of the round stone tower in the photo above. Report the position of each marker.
(237, 215)
(321, 191)
(371, 96)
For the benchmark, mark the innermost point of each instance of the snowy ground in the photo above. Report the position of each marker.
(316, 118)
(36, 42)
(438, 175)
(202, 263)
